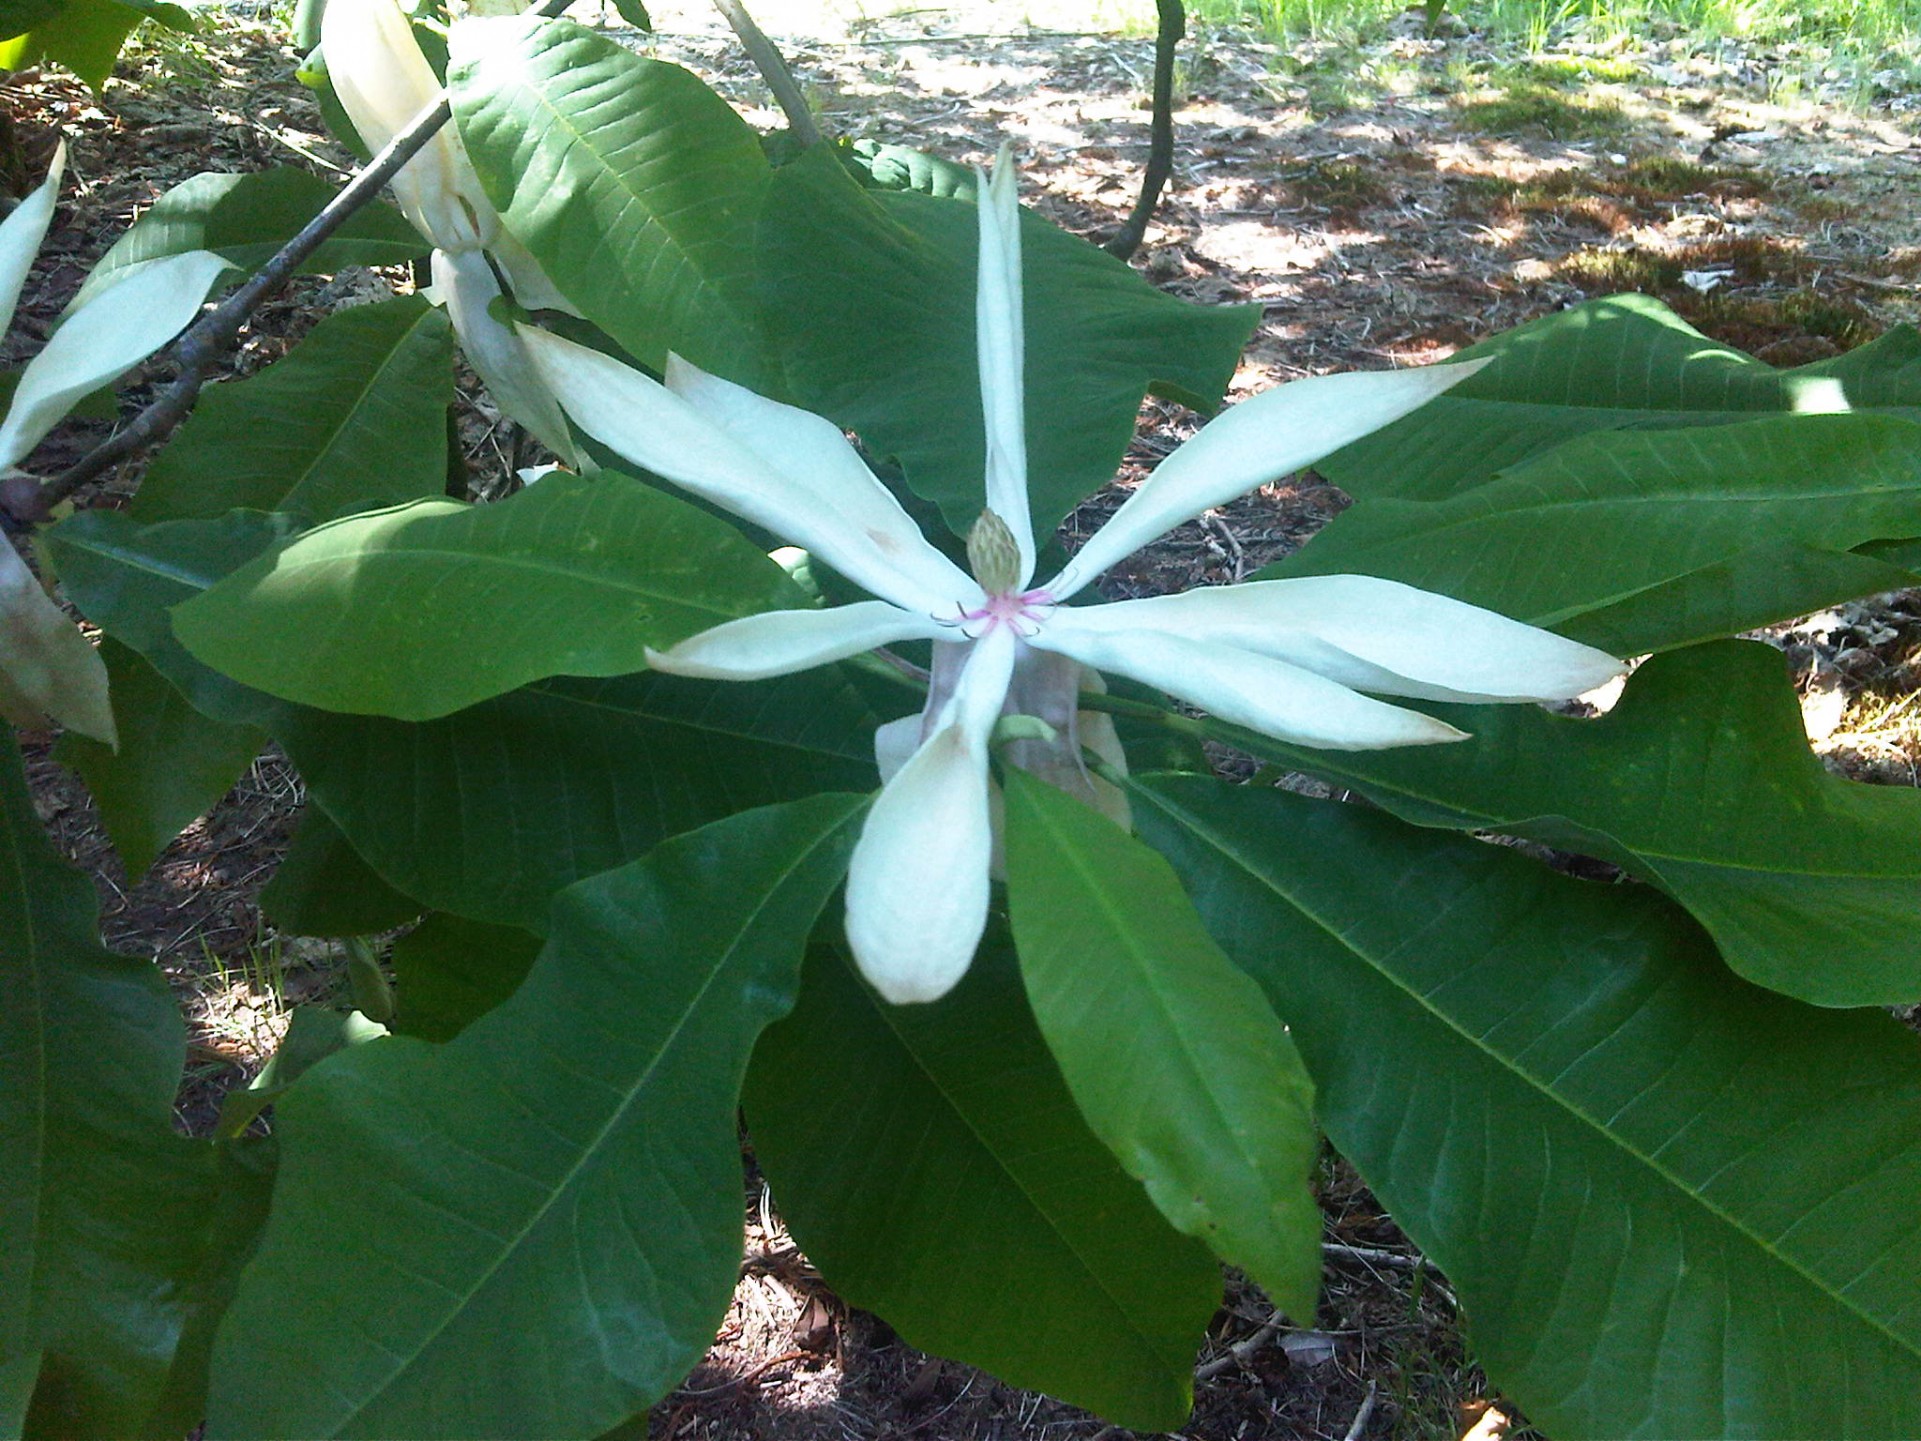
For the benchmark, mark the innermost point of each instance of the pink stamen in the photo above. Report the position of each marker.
(1024, 612)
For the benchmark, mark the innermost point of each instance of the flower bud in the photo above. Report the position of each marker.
(994, 554)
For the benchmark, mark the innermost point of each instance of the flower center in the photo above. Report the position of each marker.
(1024, 611)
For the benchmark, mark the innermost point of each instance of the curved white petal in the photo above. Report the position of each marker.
(122, 325)
(1259, 692)
(531, 285)
(917, 886)
(822, 511)
(384, 82)
(780, 642)
(895, 744)
(1274, 434)
(47, 668)
(1001, 343)
(1373, 634)
(466, 285)
(21, 233)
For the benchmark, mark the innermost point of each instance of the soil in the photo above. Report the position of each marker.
(1385, 205)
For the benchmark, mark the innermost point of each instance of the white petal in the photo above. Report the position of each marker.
(1263, 694)
(1001, 342)
(384, 82)
(780, 642)
(804, 500)
(895, 744)
(47, 668)
(1373, 634)
(21, 234)
(119, 327)
(531, 285)
(1274, 434)
(917, 886)
(466, 286)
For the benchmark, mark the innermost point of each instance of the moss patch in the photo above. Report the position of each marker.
(1531, 108)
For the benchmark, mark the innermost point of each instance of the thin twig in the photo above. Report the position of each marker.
(1160, 151)
(1361, 1416)
(773, 69)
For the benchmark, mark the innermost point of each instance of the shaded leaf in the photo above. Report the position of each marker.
(449, 972)
(558, 1188)
(313, 1034)
(323, 888)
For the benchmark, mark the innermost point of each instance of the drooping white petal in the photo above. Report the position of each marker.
(1373, 634)
(917, 886)
(1256, 691)
(1274, 434)
(47, 668)
(466, 285)
(780, 642)
(384, 82)
(805, 496)
(119, 327)
(895, 743)
(533, 288)
(21, 233)
(1002, 351)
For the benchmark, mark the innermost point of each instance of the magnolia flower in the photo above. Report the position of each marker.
(46, 666)
(384, 82)
(1287, 658)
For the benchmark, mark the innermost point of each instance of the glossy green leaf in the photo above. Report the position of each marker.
(901, 167)
(1674, 1205)
(1700, 780)
(1173, 1055)
(323, 888)
(101, 1211)
(172, 766)
(872, 299)
(1623, 363)
(634, 185)
(352, 419)
(1648, 540)
(419, 610)
(83, 35)
(931, 1162)
(556, 1190)
(449, 972)
(246, 218)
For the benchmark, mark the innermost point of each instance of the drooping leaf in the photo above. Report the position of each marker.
(172, 766)
(313, 1034)
(85, 35)
(449, 972)
(351, 420)
(419, 610)
(901, 167)
(100, 1215)
(1644, 541)
(634, 185)
(557, 1189)
(872, 300)
(932, 1164)
(1628, 1163)
(323, 888)
(1623, 363)
(246, 218)
(1701, 781)
(1173, 1055)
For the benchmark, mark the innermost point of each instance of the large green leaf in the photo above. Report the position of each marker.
(933, 1165)
(534, 1229)
(1700, 780)
(83, 35)
(1173, 1055)
(173, 763)
(419, 610)
(449, 972)
(101, 1210)
(323, 888)
(872, 299)
(1643, 541)
(1674, 1205)
(1624, 363)
(246, 218)
(352, 419)
(634, 185)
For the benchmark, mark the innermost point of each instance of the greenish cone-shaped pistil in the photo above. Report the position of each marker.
(994, 554)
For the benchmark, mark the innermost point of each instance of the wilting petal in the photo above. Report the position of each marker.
(804, 498)
(21, 233)
(114, 331)
(466, 286)
(384, 82)
(1259, 692)
(47, 668)
(1003, 353)
(780, 642)
(1373, 634)
(917, 885)
(1271, 435)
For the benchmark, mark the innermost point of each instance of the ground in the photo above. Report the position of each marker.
(1385, 204)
